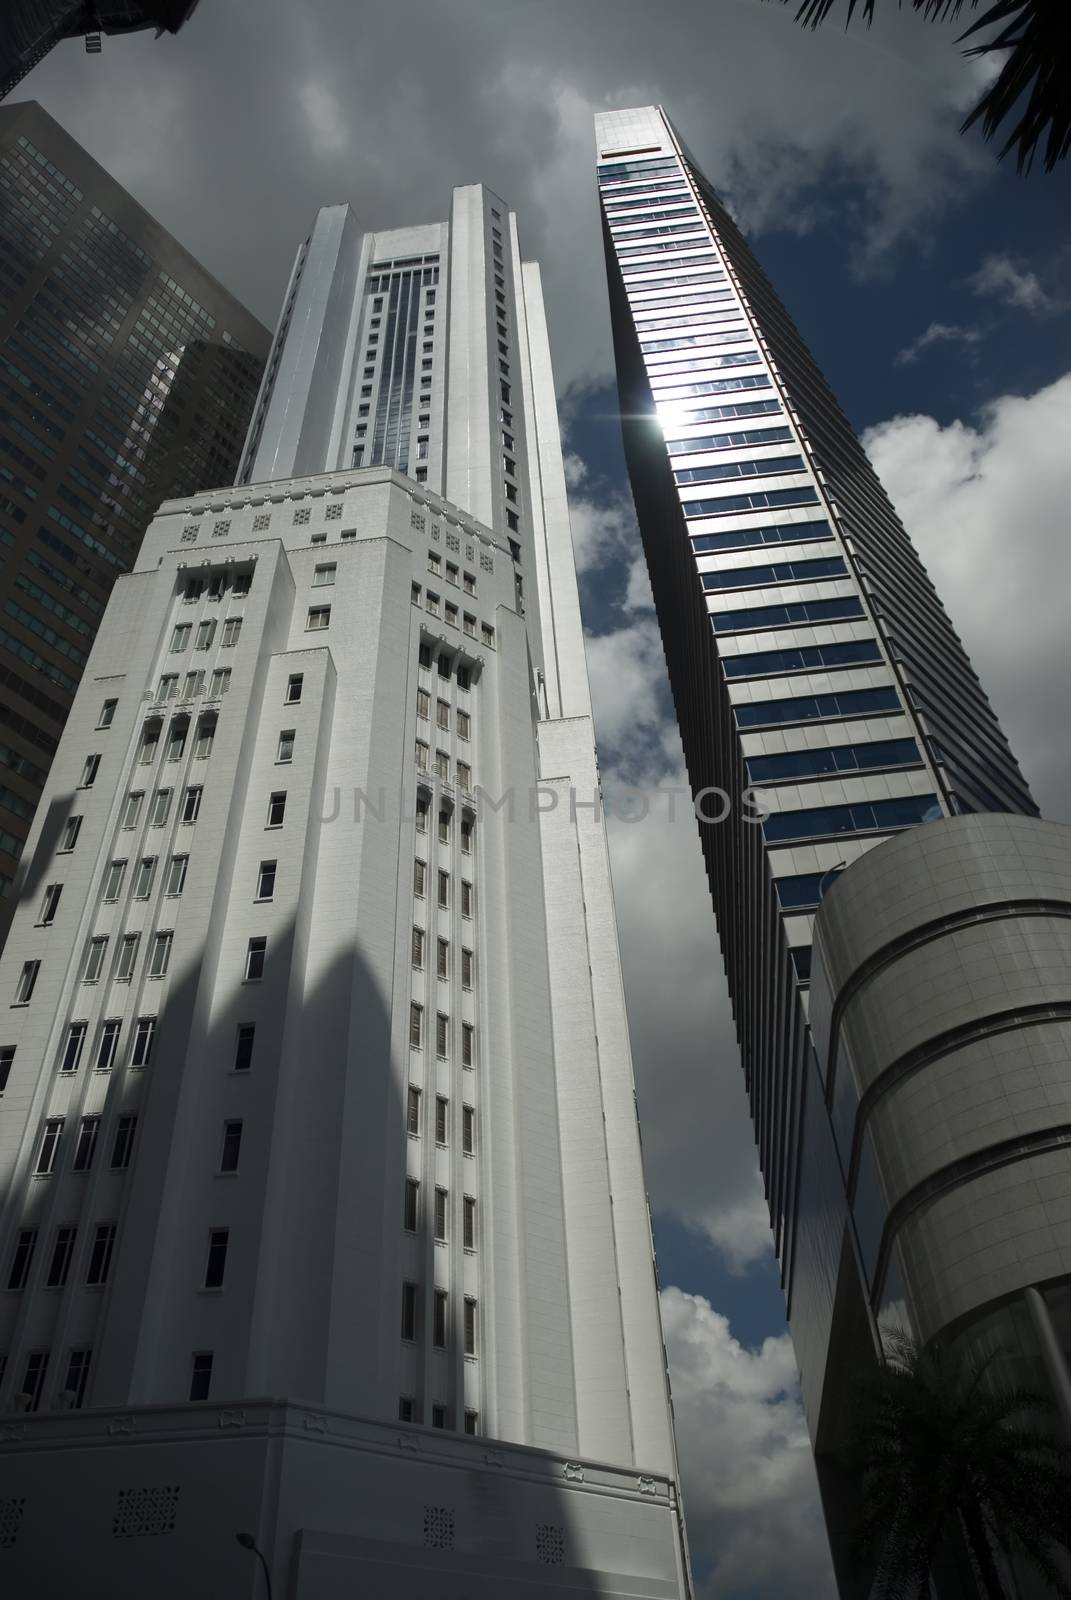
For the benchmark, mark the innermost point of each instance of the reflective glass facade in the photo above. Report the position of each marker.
(812, 665)
(127, 375)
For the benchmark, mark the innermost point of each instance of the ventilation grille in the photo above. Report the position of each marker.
(453, 541)
(487, 562)
(10, 1522)
(439, 1527)
(262, 522)
(301, 515)
(334, 514)
(140, 1513)
(219, 529)
(550, 1544)
(416, 521)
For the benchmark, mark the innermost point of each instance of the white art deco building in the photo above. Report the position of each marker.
(323, 1212)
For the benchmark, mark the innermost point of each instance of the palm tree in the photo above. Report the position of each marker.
(942, 1450)
(1037, 70)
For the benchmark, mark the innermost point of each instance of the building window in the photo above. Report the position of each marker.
(266, 880)
(161, 808)
(442, 966)
(201, 1375)
(254, 960)
(232, 632)
(94, 959)
(444, 890)
(62, 1251)
(405, 1408)
(7, 1061)
(100, 1257)
(89, 772)
(216, 1264)
(438, 1415)
(412, 1205)
(470, 1326)
(464, 725)
(472, 1421)
(123, 1144)
(232, 1144)
(432, 603)
(276, 808)
(144, 1037)
(409, 1311)
(27, 979)
(468, 1044)
(176, 741)
(195, 587)
(113, 880)
(420, 754)
(74, 1385)
(513, 522)
(84, 1150)
(438, 1337)
(221, 683)
(180, 636)
(466, 969)
(468, 1131)
(487, 634)
(412, 1110)
(243, 1046)
(143, 877)
(420, 873)
(421, 818)
(206, 632)
(132, 809)
(442, 1032)
(464, 777)
(159, 954)
(34, 1382)
(22, 1259)
(424, 655)
(48, 1148)
(50, 905)
(418, 947)
(441, 1199)
(442, 1106)
(444, 827)
(319, 617)
(109, 1044)
(415, 593)
(285, 752)
(242, 584)
(466, 899)
(191, 804)
(323, 576)
(416, 1025)
(293, 688)
(442, 714)
(442, 765)
(72, 1048)
(71, 830)
(128, 955)
(176, 875)
(466, 836)
(107, 714)
(468, 1223)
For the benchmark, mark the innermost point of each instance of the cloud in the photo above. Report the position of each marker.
(986, 506)
(751, 1497)
(1016, 285)
(774, 113)
(937, 333)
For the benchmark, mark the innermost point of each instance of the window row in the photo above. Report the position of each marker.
(805, 658)
(834, 758)
(177, 731)
(442, 714)
(760, 500)
(816, 707)
(440, 1214)
(443, 885)
(836, 608)
(455, 575)
(443, 958)
(215, 587)
(444, 664)
(193, 686)
(72, 1394)
(52, 1137)
(468, 823)
(182, 633)
(468, 623)
(409, 1411)
(440, 766)
(863, 816)
(774, 533)
(413, 1113)
(779, 572)
(731, 441)
(107, 1047)
(442, 1032)
(160, 809)
(440, 1320)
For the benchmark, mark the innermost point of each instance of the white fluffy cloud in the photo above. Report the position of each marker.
(751, 1497)
(986, 504)
(937, 333)
(1016, 285)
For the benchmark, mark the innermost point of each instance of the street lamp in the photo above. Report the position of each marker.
(247, 1542)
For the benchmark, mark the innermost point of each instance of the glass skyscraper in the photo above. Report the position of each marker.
(819, 683)
(127, 375)
(323, 1210)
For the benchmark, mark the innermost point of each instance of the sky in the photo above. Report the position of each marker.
(934, 287)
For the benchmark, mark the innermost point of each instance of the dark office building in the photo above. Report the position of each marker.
(127, 377)
(29, 28)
